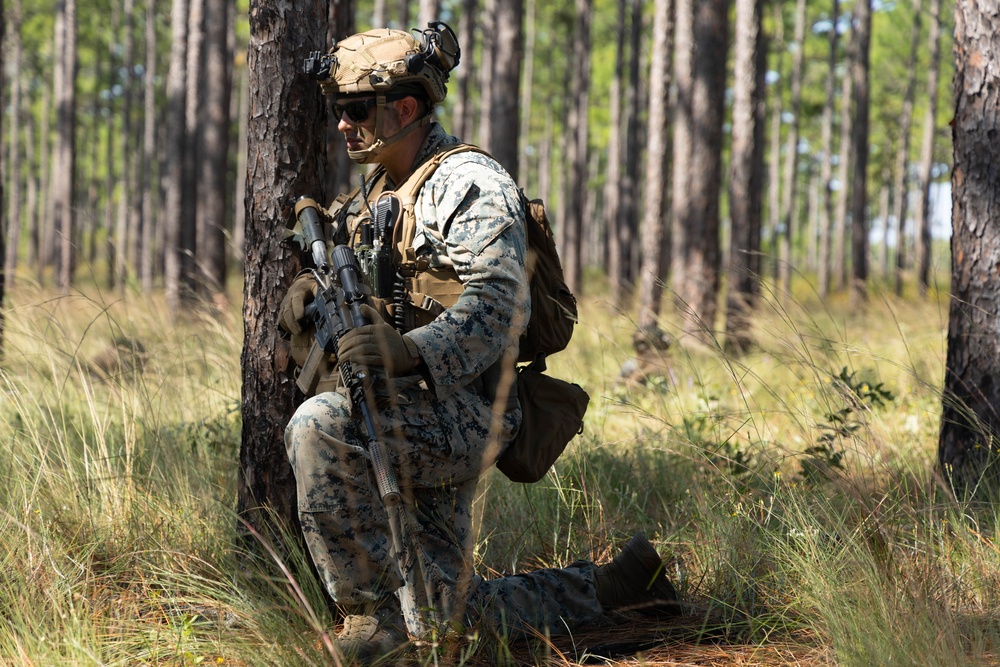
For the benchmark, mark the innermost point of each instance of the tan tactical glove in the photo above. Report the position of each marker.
(292, 310)
(379, 345)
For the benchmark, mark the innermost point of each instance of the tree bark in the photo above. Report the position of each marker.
(900, 187)
(285, 159)
(696, 223)
(860, 90)
(213, 165)
(194, 150)
(503, 115)
(64, 167)
(628, 222)
(656, 238)
(789, 185)
(970, 421)
(173, 181)
(840, 263)
(613, 173)
(3, 235)
(430, 10)
(826, 167)
(12, 238)
(744, 178)
(923, 217)
(774, 162)
(462, 115)
(150, 191)
(578, 148)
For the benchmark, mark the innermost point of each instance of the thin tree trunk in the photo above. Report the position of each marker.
(3, 238)
(900, 187)
(656, 237)
(826, 167)
(859, 137)
(126, 143)
(63, 174)
(146, 170)
(840, 232)
(527, 92)
(789, 185)
(194, 138)
(629, 219)
(923, 240)
(213, 164)
(613, 173)
(487, 23)
(380, 14)
(430, 10)
(173, 181)
(696, 226)
(239, 213)
(13, 237)
(970, 421)
(43, 234)
(744, 177)
(502, 115)
(287, 121)
(578, 148)
(774, 164)
(462, 117)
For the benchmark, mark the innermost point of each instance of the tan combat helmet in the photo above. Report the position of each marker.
(384, 63)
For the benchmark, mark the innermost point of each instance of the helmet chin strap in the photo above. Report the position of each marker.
(380, 143)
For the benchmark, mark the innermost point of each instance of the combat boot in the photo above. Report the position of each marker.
(369, 636)
(635, 580)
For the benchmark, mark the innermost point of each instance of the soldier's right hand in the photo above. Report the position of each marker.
(292, 311)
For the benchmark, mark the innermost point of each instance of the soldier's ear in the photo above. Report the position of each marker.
(408, 109)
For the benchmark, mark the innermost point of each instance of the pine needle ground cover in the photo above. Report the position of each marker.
(792, 491)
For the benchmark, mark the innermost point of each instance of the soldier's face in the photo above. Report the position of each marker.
(357, 119)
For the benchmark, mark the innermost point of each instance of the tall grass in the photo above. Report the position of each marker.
(792, 490)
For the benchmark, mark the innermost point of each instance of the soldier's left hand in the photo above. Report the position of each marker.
(379, 345)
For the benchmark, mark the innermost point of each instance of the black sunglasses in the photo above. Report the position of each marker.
(356, 110)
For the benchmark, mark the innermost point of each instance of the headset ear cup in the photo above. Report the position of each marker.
(415, 62)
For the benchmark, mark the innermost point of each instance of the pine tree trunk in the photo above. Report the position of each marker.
(860, 88)
(578, 148)
(288, 120)
(503, 115)
(430, 10)
(613, 173)
(656, 239)
(173, 180)
(3, 236)
(629, 218)
(194, 153)
(462, 115)
(213, 164)
(13, 235)
(826, 167)
(970, 421)
(744, 178)
(696, 223)
(923, 213)
(839, 264)
(63, 168)
(789, 181)
(774, 161)
(900, 187)
(147, 173)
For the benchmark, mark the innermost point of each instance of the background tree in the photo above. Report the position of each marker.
(3, 232)
(503, 117)
(923, 218)
(656, 240)
(696, 222)
(970, 421)
(577, 141)
(13, 231)
(826, 164)
(788, 182)
(173, 182)
(860, 89)
(213, 165)
(64, 162)
(745, 177)
(900, 186)
(288, 120)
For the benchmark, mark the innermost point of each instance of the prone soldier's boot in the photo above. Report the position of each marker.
(371, 635)
(636, 580)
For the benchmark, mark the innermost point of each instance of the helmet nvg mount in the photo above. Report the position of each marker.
(382, 62)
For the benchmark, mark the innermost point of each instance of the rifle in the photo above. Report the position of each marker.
(335, 311)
